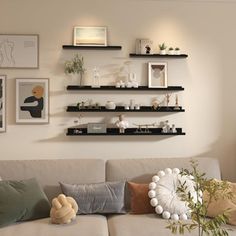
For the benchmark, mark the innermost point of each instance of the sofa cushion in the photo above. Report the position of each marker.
(145, 225)
(142, 170)
(21, 201)
(100, 198)
(50, 172)
(86, 225)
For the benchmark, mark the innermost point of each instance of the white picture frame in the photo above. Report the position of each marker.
(157, 75)
(2, 103)
(90, 36)
(32, 101)
(19, 51)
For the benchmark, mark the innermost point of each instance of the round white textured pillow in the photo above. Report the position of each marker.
(164, 196)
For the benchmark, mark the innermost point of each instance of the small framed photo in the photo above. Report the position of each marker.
(19, 51)
(32, 101)
(90, 36)
(2, 103)
(157, 74)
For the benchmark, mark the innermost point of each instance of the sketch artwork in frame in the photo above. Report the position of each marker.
(2, 103)
(32, 101)
(157, 75)
(19, 51)
(90, 36)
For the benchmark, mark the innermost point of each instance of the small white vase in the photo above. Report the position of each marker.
(163, 52)
(110, 105)
(177, 52)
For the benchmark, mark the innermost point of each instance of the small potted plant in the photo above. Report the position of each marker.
(177, 51)
(162, 48)
(171, 51)
(75, 66)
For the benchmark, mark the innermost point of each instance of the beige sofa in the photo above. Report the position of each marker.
(50, 172)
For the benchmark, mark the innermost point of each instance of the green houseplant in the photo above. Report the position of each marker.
(75, 66)
(162, 48)
(199, 221)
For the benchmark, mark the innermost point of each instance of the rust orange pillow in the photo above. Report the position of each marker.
(139, 200)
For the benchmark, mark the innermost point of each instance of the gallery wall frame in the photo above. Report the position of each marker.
(157, 75)
(19, 51)
(2, 103)
(90, 36)
(32, 101)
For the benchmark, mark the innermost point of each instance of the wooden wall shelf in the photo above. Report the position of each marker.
(158, 55)
(128, 132)
(91, 47)
(121, 109)
(113, 88)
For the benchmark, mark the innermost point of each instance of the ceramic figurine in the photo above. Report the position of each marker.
(177, 107)
(122, 124)
(166, 127)
(167, 96)
(110, 105)
(155, 104)
(173, 129)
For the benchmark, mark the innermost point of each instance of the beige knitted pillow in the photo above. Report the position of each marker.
(221, 205)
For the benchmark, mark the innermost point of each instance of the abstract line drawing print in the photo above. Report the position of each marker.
(7, 53)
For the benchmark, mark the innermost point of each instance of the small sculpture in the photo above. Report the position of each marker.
(145, 126)
(177, 107)
(167, 97)
(155, 104)
(122, 124)
(166, 127)
(96, 78)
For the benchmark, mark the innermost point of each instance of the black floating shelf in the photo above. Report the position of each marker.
(158, 55)
(92, 47)
(121, 109)
(113, 88)
(128, 132)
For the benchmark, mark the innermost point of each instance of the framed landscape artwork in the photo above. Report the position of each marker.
(2, 103)
(32, 101)
(90, 36)
(19, 51)
(157, 74)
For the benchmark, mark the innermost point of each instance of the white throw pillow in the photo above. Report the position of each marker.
(164, 196)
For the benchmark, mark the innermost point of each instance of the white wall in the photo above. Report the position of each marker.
(204, 30)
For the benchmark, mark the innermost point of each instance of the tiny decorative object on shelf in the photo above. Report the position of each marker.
(90, 36)
(177, 51)
(162, 48)
(96, 78)
(144, 128)
(167, 99)
(75, 66)
(143, 46)
(171, 51)
(96, 128)
(177, 107)
(157, 75)
(110, 105)
(122, 124)
(155, 104)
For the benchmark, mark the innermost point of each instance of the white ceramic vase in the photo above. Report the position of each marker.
(110, 105)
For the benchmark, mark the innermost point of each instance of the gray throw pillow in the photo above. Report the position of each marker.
(101, 198)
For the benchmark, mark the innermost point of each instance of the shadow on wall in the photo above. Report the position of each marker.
(107, 139)
(225, 152)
